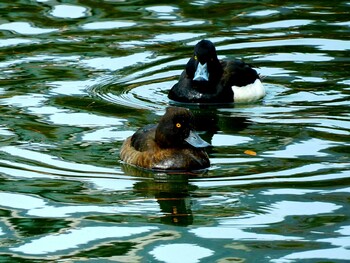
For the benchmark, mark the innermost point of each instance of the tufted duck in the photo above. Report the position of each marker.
(170, 145)
(208, 80)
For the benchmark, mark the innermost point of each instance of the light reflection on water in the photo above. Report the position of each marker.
(68, 11)
(77, 237)
(24, 28)
(77, 80)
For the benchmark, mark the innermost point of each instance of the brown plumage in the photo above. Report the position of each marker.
(170, 145)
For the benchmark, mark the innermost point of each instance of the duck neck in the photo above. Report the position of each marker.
(215, 71)
(164, 141)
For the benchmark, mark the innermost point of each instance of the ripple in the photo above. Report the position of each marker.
(15, 41)
(238, 234)
(72, 88)
(79, 119)
(341, 253)
(262, 13)
(25, 28)
(143, 89)
(228, 140)
(39, 58)
(303, 173)
(69, 11)
(162, 9)
(35, 104)
(188, 23)
(35, 206)
(49, 160)
(311, 147)
(79, 78)
(25, 101)
(319, 43)
(106, 134)
(164, 12)
(113, 64)
(345, 82)
(339, 250)
(204, 2)
(347, 23)
(279, 24)
(5, 132)
(166, 38)
(176, 37)
(276, 212)
(189, 253)
(296, 57)
(310, 79)
(77, 237)
(107, 25)
(148, 96)
(126, 99)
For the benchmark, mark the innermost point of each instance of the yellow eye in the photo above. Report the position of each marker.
(178, 125)
(195, 57)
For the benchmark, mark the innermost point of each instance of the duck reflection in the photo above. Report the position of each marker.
(210, 121)
(171, 190)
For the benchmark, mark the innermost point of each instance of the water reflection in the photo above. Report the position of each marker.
(76, 237)
(279, 24)
(189, 253)
(15, 42)
(79, 78)
(25, 28)
(162, 12)
(173, 198)
(69, 11)
(319, 44)
(170, 190)
(107, 25)
(339, 252)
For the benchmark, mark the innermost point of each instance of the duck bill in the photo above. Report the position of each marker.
(196, 141)
(201, 73)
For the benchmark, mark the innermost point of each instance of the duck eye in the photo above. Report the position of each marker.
(178, 125)
(195, 57)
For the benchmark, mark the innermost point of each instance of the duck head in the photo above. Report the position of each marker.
(175, 130)
(204, 64)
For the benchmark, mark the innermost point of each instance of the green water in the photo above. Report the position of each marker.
(78, 77)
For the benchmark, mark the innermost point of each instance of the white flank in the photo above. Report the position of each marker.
(249, 93)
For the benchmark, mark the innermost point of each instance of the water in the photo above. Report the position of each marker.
(78, 77)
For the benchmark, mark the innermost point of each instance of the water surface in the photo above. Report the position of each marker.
(79, 77)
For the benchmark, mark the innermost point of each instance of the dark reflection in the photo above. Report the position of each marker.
(209, 120)
(107, 250)
(39, 226)
(15, 258)
(172, 191)
(173, 199)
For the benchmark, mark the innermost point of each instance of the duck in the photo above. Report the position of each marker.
(170, 145)
(206, 79)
